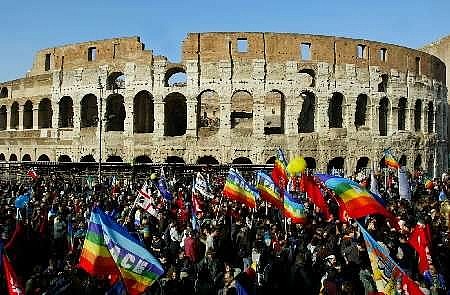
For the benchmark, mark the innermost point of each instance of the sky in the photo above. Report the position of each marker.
(27, 26)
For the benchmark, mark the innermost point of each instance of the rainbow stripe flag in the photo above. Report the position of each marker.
(268, 190)
(237, 189)
(293, 209)
(110, 251)
(428, 183)
(279, 171)
(389, 159)
(353, 198)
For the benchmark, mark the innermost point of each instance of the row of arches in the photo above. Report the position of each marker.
(208, 113)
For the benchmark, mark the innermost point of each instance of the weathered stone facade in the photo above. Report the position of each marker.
(337, 101)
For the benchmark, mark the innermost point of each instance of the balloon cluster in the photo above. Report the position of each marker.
(296, 166)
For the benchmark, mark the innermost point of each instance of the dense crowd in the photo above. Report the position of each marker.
(227, 248)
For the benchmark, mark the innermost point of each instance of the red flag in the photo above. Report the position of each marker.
(16, 237)
(315, 194)
(410, 287)
(12, 282)
(196, 204)
(32, 174)
(420, 240)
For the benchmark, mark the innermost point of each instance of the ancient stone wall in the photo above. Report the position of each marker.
(234, 97)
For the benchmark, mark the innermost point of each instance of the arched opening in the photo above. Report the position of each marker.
(207, 160)
(242, 111)
(305, 121)
(310, 163)
(28, 115)
(26, 158)
(45, 113)
(13, 158)
(418, 115)
(3, 118)
(116, 80)
(209, 115)
(336, 165)
(14, 121)
(362, 164)
(418, 162)
(43, 158)
(89, 111)
(115, 113)
(271, 160)
(114, 159)
(402, 161)
(430, 117)
(383, 115)
(401, 113)
(143, 110)
(335, 111)
(87, 158)
(242, 160)
(64, 158)
(360, 111)
(174, 160)
(274, 113)
(175, 114)
(142, 159)
(4, 92)
(65, 112)
(175, 77)
(2, 157)
(382, 86)
(312, 75)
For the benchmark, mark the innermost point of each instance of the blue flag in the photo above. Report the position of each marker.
(22, 200)
(162, 187)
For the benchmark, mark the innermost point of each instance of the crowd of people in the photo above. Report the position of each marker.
(226, 249)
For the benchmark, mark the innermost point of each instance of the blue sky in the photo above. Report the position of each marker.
(28, 26)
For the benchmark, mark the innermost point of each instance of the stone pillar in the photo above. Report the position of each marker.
(8, 117)
(35, 118)
(290, 117)
(349, 118)
(225, 117)
(129, 115)
(409, 119)
(322, 114)
(375, 124)
(191, 124)
(21, 117)
(258, 116)
(159, 118)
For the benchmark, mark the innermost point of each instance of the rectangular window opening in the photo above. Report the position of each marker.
(383, 54)
(417, 65)
(242, 45)
(47, 61)
(92, 53)
(361, 51)
(305, 51)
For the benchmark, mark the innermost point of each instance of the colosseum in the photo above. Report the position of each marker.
(233, 98)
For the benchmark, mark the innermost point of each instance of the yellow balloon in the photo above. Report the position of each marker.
(296, 166)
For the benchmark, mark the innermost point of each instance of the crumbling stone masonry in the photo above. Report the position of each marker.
(234, 97)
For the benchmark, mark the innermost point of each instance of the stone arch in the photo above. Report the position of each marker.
(310, 163)
(45, 113)
(2, 157)
(208, 118)
(3, 119)
(4, 92)
(305, 121)
(401, 113)
(362, 163)
(13, 158)
(114, 159)
(271, 160)
(402, 161)
(175, 76)
(174, 160)
(28, 115)
(115, 113)
(143, 112)
(383, 115)
(89, 111)
(312, 74)
(142, 159)
(361, 111)
(175, 114)
(14, 120)
(65, 112)
(208, 160)
(64, 159)
(115, 80)
(242, 160)
(335, 163)
(418, 162)
(274, 107)
(242, 111)
(87, 158)
(43, 158)
(418, 115)
(335, 110)
(430, 118)
(26, 158)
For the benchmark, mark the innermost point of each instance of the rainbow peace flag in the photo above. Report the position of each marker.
(293, 209)
(268, 190)
(110, 251)
(237, 189)
(428, 183)
(354, 199)
(279, 171)
(389, 160)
